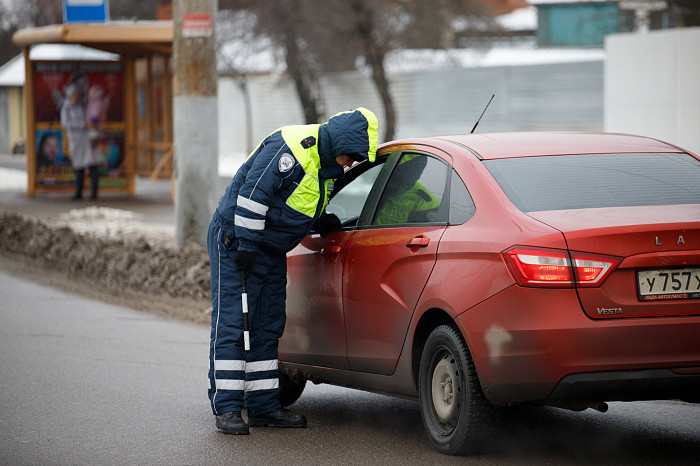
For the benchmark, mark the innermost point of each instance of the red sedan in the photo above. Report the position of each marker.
(497, 269)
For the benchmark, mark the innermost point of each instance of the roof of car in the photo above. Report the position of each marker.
(527, 144)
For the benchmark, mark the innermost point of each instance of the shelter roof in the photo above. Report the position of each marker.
(12, 72)
(129, 38)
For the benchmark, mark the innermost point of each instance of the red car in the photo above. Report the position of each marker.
(560, 269)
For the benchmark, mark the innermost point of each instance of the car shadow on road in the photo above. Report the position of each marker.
(642, 432)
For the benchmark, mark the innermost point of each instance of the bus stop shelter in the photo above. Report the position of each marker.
(136, 85)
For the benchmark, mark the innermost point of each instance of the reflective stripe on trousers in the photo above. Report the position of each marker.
(239, 378)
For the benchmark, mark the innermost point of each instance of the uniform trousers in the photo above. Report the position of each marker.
(240, 378)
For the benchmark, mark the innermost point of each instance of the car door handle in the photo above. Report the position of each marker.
(332, 249)
(417, 242)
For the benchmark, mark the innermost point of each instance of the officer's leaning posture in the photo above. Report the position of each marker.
(271, 204)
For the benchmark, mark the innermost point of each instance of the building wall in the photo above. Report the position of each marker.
(12, 119)
(576, 24)
(18, 121)
(562, 96)
(5, 145)
(652, 86)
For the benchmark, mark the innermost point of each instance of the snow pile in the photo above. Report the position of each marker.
(116, 224)
(110, 251)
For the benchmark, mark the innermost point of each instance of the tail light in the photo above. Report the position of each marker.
(557, 268)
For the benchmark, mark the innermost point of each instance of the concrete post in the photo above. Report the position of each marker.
(195, 118)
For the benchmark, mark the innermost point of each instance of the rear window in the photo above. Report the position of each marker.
(598, 180)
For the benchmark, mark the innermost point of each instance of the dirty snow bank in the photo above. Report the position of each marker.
(111, 251)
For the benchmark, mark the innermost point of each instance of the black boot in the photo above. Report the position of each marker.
(79, 180)
(279, 418)
(94, 180)
(231, 423)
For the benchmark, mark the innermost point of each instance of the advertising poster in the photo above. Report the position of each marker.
(52, 164)
(101, 93)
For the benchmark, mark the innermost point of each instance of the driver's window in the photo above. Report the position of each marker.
(414, 192)
(347, 204)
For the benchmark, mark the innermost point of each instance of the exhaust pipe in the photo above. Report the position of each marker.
(580, 405)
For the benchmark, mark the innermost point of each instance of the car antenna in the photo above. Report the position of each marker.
(482, 113)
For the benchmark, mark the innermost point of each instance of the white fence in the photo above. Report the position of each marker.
(652, 85)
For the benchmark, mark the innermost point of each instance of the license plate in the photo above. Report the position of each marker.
(669, 284)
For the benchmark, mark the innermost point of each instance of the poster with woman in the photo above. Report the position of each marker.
(101, 89)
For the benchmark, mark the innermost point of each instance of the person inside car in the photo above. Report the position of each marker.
(406, 200)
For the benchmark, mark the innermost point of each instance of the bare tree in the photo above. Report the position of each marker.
(365, 25)
(132, 9)
(687, 11)
(37, 12)
(331, 35)
(386, 25)
(19, 14)
(287, 23)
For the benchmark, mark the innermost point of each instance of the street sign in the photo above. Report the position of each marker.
(196, 25)
(85, 11)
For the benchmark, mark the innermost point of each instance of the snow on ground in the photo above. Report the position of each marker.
(112, 223)
(115, 224)
(12, 179)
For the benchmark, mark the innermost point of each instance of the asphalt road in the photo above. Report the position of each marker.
(83, 382)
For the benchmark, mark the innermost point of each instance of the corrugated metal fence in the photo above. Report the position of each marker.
(562, 96)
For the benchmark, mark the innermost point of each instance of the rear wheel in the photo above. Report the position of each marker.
(290, 389)
(455, 411)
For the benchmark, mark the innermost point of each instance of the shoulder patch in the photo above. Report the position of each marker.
(308, 142)
(285, 163)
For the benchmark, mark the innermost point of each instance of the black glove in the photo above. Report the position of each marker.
(245, 261)
(327, 223)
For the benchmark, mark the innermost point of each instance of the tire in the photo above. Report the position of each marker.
(455, 411)
(289, 389)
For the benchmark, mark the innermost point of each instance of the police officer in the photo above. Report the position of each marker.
(270, 205)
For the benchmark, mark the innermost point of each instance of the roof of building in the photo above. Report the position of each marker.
(12, 72)
(135, 38)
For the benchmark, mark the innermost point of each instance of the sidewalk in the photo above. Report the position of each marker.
(117, 248)
(152, 203)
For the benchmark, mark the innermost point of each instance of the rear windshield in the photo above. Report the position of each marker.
(598, 180)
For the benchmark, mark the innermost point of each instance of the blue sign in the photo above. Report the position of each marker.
(85, 11)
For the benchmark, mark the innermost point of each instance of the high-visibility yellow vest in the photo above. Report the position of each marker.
(307, 195)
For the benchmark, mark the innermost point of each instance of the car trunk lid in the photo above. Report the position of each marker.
(659, 250)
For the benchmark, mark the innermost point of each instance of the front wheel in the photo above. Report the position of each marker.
(455, 411)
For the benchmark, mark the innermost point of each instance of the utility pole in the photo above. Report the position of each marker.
(195, 118)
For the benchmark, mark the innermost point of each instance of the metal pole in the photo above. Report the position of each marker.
(195, 119)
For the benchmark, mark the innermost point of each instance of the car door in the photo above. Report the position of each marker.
(315, 329)
(388, 259)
